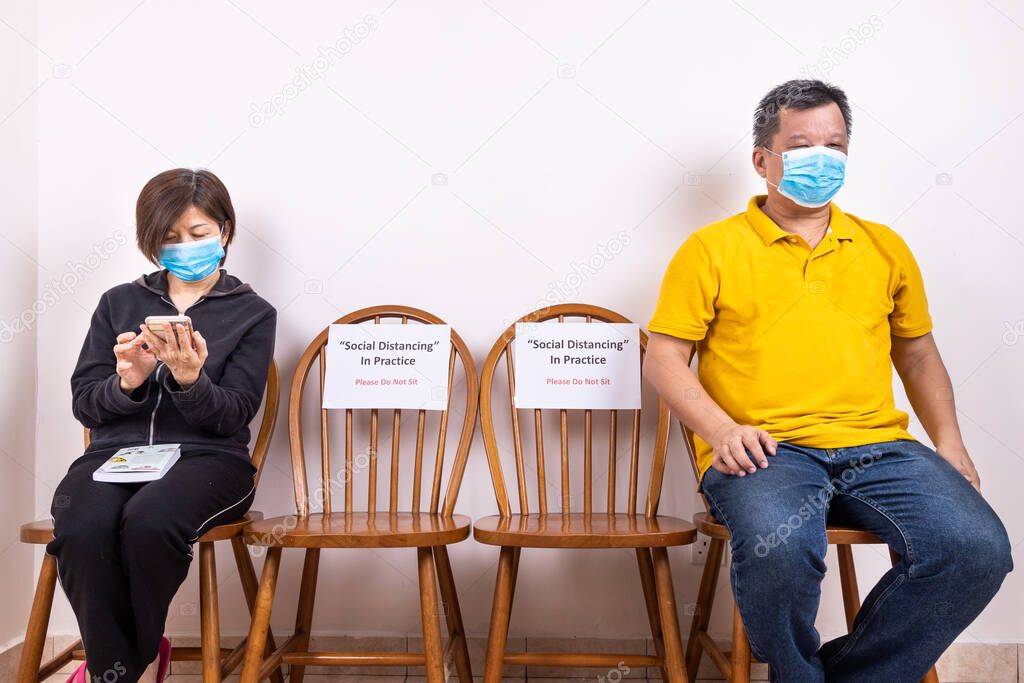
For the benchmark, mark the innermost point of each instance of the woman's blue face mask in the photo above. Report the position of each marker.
(811, 176)
(193, 261)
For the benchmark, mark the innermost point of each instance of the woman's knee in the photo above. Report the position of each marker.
(80, 542)
(145, 528)
(84, 531)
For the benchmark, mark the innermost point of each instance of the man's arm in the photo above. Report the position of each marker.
(667, 368)
(930, 391)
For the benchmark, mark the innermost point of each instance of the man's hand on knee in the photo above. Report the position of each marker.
(958, 457)
(741, 449)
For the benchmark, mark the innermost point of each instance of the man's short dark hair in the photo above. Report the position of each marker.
(796, 94)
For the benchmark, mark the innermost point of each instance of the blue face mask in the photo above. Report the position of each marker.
(811, 176)
(192, 261)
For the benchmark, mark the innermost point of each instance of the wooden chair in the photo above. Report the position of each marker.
(428, 530)
(617, 526)
(736, 666)
(217, 662)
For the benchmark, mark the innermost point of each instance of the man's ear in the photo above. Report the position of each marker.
(760, 161)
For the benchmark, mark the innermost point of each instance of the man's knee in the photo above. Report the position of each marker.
(984, 551)
(976, 552)
(788, 551)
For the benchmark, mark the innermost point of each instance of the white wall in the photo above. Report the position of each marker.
(18, 263)
(466, 157)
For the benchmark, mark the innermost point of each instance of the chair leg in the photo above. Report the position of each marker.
(501, 611)
(261, 617)
(432, 651)
(705, 602)
(848, 583)
(515, 578)
(674, 666)
(250, 585)
(38, 622)
(304, 614)
(209, 613)
(740, 658)
(647, 582)
(453, 614)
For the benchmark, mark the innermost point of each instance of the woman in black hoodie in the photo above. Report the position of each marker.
(124, 549)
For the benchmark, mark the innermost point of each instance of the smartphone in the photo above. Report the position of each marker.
(160, 325)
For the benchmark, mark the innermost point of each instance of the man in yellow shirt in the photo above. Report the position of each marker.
(797, 312)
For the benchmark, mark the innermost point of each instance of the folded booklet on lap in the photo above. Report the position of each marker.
(138, 463)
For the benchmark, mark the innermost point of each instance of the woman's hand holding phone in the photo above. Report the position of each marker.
(134, 362)
(182, 353)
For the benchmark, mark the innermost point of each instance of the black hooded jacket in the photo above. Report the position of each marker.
(212, 414)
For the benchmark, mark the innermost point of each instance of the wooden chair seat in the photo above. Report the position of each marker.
(37, 533)
(41, 532)
(579, 530)
(360, 530)
(837, 535)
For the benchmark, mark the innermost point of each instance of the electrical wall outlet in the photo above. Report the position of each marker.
(699, 550)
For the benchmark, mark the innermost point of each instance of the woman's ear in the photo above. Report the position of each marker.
(225, 234)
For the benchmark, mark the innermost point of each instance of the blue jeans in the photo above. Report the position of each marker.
(955, 555)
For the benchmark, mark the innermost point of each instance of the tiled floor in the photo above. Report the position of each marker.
(196, 678)
(964, 663)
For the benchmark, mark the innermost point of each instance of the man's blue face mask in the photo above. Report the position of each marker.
(192, 261)
(811, 176)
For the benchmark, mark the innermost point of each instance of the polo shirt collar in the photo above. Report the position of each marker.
(840, 225)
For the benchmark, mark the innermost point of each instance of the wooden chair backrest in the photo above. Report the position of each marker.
(691, 447)
(691, 452)
(271, 401)
(503, 348)
(316, 352)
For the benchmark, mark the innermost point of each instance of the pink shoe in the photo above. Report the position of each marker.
(165, 660)
(79, 675)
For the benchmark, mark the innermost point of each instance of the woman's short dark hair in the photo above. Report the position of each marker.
(167, 195)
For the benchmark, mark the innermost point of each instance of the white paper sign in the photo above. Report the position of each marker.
(387, 366)
(577, 365)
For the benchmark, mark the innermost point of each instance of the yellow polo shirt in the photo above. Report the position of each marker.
(792, 340)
